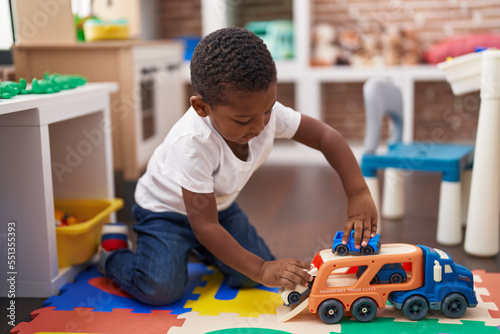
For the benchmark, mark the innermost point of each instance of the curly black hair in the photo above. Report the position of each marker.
(228, 60)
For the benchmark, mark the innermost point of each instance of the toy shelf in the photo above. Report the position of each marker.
(51, 146)
(308, 80)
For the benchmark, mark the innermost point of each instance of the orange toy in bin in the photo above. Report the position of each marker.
(77, 243)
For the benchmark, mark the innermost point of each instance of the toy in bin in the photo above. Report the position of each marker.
(373, 246)
(62, 218)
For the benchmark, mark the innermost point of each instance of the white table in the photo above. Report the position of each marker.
(51, 146)
(472, 72)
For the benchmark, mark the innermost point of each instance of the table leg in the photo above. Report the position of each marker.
(481, 238)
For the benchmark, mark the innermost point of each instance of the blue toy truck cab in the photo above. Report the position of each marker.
(448, 287)
(373, 246)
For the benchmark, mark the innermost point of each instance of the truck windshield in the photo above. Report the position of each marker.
(442, 254)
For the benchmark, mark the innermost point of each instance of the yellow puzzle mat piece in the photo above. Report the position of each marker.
(248, 302)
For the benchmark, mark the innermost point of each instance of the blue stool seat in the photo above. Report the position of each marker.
(449, 159)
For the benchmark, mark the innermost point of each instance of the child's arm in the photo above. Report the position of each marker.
(361, 211)
(203, 218)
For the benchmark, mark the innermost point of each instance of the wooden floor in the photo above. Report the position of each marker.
(297, 210)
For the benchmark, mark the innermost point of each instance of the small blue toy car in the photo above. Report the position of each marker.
(389, 273)
(373, 246)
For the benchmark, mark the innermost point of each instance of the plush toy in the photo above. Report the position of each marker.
(391, 45)
(350, 43)
(410, 49)
(325, 51)
(370, 53)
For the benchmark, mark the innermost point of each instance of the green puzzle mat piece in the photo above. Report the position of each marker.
(248, 330)
(384, 326)
(427, 326)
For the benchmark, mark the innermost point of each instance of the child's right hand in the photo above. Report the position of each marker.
(284, 273)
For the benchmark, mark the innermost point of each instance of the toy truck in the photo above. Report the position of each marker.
(433, 281)
(448, 287)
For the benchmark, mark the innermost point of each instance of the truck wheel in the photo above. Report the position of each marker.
(293, 297)
(396, 278)
(342, 250)
(364, 309)
(331, 311)
(367, 250)
(454, 305)
(415, 307)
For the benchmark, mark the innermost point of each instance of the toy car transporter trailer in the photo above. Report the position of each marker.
(433, 281)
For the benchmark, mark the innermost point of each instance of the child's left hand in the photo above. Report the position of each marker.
(362, 217)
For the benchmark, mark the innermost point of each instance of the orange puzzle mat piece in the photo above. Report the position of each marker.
(83, 320)
(490, 282)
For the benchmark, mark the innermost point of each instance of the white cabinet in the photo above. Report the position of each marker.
(149, 98)
(38, 135)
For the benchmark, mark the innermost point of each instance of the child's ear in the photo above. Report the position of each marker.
(199, 105)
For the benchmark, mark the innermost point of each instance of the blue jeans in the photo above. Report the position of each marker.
(157, 272)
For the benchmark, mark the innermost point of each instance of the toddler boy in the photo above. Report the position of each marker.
(186, 199)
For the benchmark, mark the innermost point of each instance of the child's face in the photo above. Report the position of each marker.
(246, 115)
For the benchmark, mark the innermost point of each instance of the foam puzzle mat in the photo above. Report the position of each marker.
(94, 304)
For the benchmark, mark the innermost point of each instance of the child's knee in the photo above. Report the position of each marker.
(159, 297)
(159, 293)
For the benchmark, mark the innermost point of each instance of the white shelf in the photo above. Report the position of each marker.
(308, 80)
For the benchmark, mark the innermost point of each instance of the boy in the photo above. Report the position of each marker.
(186, 198)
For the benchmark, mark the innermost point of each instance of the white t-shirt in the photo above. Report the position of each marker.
(195, 156)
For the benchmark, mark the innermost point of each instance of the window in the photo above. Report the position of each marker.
(7, 36)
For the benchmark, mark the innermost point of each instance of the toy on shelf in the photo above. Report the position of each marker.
(277, 35)
(95, 29)
(373, 246)
(65, 81)
(51, 83)
(325, 52)
(43, 87)
(8, 89)
(347, 285)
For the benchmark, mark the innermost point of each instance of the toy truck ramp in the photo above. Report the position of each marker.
(286, 313)
(336, 278)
